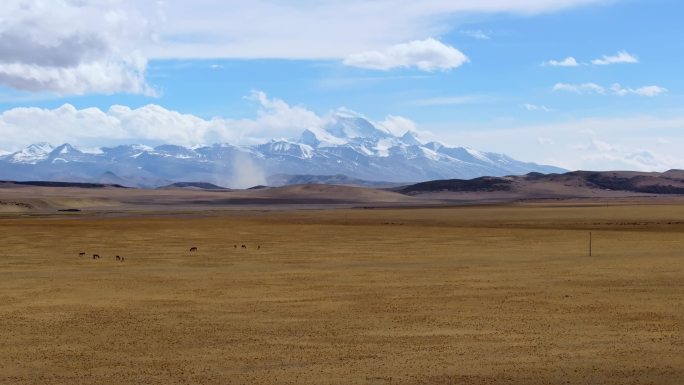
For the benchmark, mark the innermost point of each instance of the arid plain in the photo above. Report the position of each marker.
(499, 294)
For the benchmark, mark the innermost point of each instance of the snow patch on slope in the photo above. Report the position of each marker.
(32, 154)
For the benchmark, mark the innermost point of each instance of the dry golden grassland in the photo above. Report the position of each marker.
(472, 295)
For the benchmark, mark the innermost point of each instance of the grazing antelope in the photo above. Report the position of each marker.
(96, 256)
(244, 246)
(81, 254)
(192, 249)
(118, 258)
(122, 259)
(259, 247)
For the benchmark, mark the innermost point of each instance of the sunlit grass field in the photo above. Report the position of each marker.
(472, 295)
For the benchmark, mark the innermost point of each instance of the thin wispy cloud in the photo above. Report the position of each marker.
(631, 141)
(615, 89)
(600, 153)
(622, 57)
(648, 91)
(536, 107)
(476, 34)
(351, 82)
(447, 101)
(313, 29)
(584, 88)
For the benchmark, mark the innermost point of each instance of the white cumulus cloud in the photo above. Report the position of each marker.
(648, 91)
(567, 62)
(427, 55)
(150, 124)
(154, 125)
(72, 47)
(619, 58)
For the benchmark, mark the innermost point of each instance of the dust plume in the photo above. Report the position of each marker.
(246, 173)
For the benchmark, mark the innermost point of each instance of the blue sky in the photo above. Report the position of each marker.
(502, 94)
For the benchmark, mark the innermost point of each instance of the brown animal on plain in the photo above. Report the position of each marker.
(96, 256)
(118, 258)
(235, 246)
(192, 249)
(122, 259)
(244, 246)
(81, 254)
(259, 247)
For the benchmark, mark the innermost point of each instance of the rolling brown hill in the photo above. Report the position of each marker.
(20, 197)
(31, 197)
(577, 184)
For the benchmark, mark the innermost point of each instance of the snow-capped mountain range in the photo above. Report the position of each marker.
(348, 144)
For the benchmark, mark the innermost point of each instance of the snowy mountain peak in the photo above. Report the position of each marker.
(309, 138)
(142, 147)
(316, 137)
(174, 151)
(65, 153)
(362, 151)
(125, 151)
(435, 146)
(64, 149)
(32, 154)
(286, 148)
(347, 126)
(477, 154)
(411, 139)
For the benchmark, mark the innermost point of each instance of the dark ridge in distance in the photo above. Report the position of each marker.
(61, 184)
(486, 183)
(278, 180)
(198, 185)
(670, 182)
